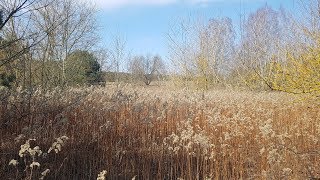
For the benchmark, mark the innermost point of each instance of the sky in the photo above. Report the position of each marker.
(143, 24)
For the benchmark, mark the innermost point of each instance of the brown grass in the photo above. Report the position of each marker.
(154, 133)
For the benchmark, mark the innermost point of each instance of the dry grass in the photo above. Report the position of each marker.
(154, 133)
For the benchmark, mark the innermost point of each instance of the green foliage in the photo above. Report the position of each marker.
(48, 74)
(6, 79)
(82, 67)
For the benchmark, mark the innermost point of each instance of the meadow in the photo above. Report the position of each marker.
(140, 132)
(182, 90)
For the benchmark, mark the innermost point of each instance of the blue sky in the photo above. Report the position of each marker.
(144, 23)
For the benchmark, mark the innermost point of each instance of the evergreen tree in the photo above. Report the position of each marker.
(82, 67)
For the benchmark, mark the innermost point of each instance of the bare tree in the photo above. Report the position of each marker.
(10, 9)
(118, 54)
(147, 68)
(10, 12)
(200, 50)
(76, 29)
(217, 48)
(182, 44)
(18, 36)
(103, 57)
(264, 40)
(41, 34)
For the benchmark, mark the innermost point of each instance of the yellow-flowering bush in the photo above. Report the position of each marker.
(300, 74)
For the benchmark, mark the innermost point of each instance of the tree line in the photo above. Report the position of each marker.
(273, 50)
(54, 43)
(39, 38)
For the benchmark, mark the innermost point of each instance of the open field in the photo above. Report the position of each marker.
(154, 133)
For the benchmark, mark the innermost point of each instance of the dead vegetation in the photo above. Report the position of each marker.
(153, 133)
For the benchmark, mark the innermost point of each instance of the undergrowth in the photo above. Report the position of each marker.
(149, 133)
